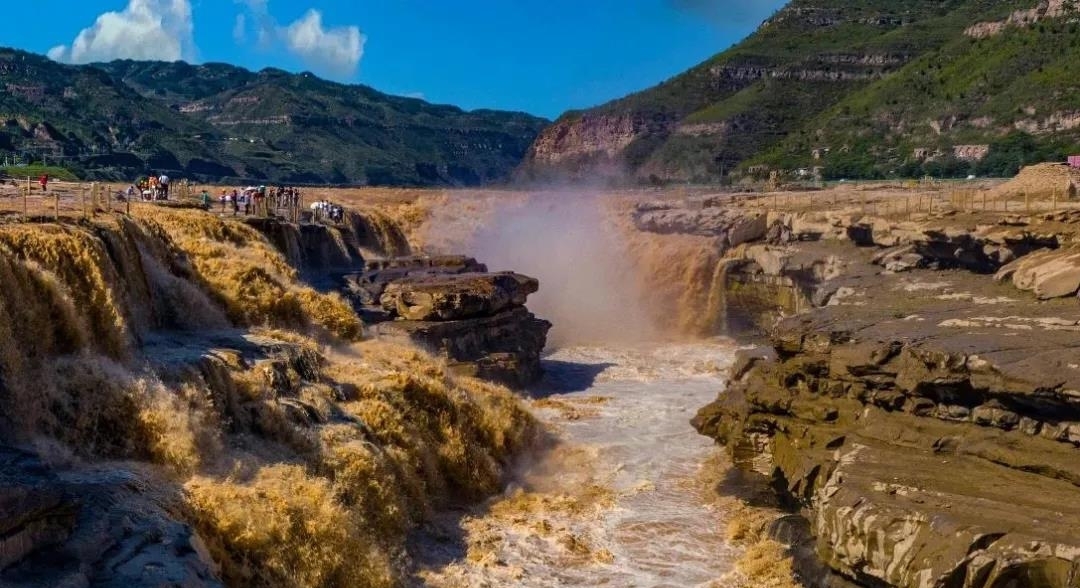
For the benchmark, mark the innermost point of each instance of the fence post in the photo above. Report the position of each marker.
(82, 196)
(56, 205)
(25, 205)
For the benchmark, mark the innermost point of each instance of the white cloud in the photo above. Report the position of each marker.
(145, 30)
(334, 51)
(239, 31)
(337, 50)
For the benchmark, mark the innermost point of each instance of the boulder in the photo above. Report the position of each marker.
(900, 259)
(1061, 278)
(503, 348)
(772, 260)
(368, 286)
(731, 227)
(93, 527)
(1048, 274)
(747, 229)
(456, 297)
(453, 307)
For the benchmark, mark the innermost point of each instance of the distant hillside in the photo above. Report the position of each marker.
(876, 88)
(220, 122)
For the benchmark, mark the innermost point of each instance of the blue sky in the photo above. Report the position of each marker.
(540, 56)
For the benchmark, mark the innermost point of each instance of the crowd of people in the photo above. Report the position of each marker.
(152, 188)
(255, 200)
(324, 210)
(264, 201)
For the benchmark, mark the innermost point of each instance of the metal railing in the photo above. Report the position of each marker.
(24, 199)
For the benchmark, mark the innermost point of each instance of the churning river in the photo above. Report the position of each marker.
(616, 498)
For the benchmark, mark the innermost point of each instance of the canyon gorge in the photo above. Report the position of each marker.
(502, 388)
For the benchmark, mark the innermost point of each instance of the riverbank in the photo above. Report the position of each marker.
(616, 496)
(184, 404)
(916, 398)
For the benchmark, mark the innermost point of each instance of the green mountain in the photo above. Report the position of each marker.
(870, 88)
(223, 123)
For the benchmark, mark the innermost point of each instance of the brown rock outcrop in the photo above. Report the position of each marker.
(924, 422)
(1048, 274)
(916, 461)
(730, 227)
(456, 296)
(92, 527)
(454, 307)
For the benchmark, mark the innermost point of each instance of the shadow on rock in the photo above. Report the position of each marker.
(566, 377)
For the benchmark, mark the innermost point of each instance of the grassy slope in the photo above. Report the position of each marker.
(337, 132)
(780, 120)
(976, 90)
(121, 118)
(35, 171)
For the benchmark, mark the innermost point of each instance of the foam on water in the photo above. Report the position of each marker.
(613, 502)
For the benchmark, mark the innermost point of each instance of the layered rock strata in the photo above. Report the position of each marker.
(450, 305)
(921, 418)
(454, 307)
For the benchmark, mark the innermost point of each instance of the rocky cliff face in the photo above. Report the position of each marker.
(454, 307)
(182, 408)
(855, 91)
(915, 412)
(735, 104)
(449, 305)
(590, 145)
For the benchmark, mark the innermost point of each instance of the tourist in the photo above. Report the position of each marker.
(260, 201)
(205, 197)
(163, 185)
(44, 181)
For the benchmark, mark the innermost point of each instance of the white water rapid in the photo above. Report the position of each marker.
(617, 498)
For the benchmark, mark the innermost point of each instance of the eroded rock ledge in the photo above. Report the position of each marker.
(922, 416)
(450, 305)
(454, 307)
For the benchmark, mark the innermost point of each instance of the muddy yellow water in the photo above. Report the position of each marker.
(614, 499)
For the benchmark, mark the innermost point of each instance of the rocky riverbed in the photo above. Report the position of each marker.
(916, 399)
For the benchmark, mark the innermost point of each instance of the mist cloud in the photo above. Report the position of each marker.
(589, 288)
